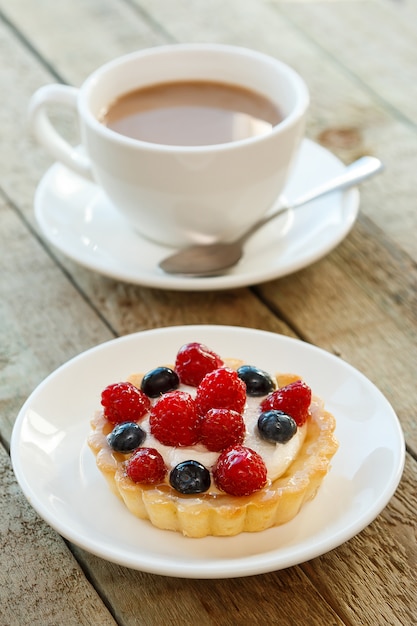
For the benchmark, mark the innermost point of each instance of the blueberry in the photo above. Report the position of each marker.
(276, 426)
(258, 382)
(126, 437)
(190, 477)
(159, 381)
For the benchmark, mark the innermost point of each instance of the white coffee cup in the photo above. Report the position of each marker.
(177, 195)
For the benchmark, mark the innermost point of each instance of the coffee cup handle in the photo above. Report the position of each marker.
(46, 134)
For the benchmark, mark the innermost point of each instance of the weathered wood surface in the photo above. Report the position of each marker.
(359, 59)
(38, 577)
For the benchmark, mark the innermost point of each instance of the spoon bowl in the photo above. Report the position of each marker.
(215, 259)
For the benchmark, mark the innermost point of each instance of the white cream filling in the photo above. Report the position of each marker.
(277, 456)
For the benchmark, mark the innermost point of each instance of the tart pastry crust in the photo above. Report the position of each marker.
(220, 514)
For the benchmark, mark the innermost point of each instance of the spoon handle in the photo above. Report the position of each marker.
(354, 173)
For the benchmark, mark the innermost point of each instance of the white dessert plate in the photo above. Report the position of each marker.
(59, 477)
(76, 217)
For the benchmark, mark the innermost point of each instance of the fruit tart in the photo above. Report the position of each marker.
(212, 446)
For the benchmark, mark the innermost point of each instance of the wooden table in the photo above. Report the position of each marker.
(359, 302)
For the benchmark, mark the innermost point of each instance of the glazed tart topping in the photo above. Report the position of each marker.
(194, 361)
(276, 426)
(159, 381)
(126, 437)
(203, 426)
(123, 402)
(146, 466)
(174, 419)
(293, 399)
(258, 382)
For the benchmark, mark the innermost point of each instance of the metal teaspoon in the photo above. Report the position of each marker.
(214, 259)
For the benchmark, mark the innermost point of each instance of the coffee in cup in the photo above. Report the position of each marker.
(192, 143)
(191, 113)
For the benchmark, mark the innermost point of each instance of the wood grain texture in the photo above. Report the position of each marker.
(376, 51)
(359, 302)
(284, 597)
(45, 320)
(38, 575)
(382, 58)
(368, 318)
(363, 581)
(380, 574)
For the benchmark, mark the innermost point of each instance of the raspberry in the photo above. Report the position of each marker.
(194, 361)
(123, 402)
(222, 428)
(146, 466)
(293, 399)
(221, 389)
(240, 471)
(174, 420)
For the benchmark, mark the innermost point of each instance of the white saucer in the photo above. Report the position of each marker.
(76, 217)
(59, 477)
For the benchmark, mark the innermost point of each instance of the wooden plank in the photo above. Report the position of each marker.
(382, 58)
(369, 316)
(382, 63)
(76, 38)
(362, 581)
(37, 572)
(370, 580)
(285, 597)
(29, 352)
